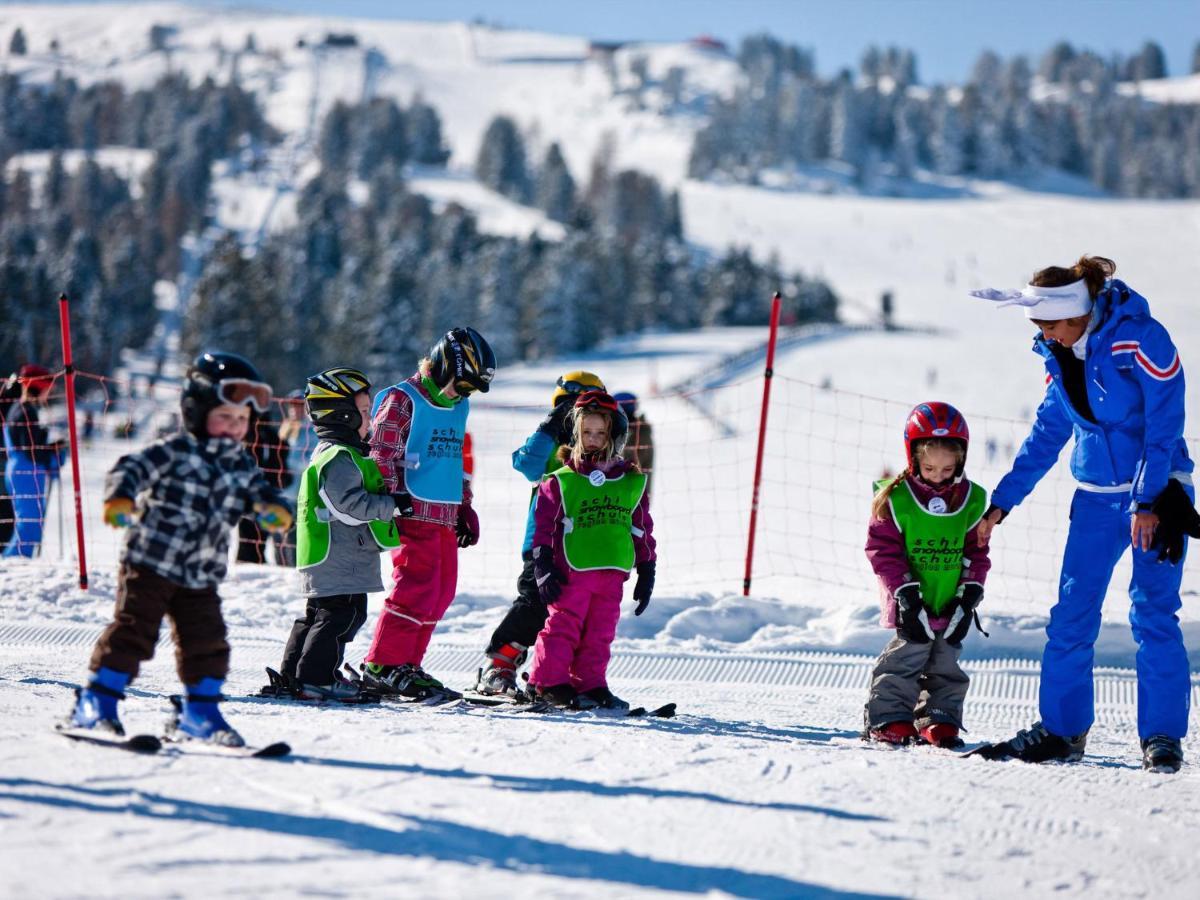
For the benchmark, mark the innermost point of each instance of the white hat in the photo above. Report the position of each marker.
(1047, 303)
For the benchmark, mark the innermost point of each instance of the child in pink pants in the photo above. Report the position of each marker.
(592, 526)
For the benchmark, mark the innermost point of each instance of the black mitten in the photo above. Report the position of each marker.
(545, 572)
(912, 621)
(964, 613)
(644, 586)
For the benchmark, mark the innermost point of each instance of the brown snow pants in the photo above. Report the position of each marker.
(143, 598)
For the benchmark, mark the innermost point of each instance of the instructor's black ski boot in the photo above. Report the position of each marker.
(1036, 745)
(1162, 754)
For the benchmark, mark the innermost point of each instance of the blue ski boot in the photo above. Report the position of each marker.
(199, 717)
(96, 704)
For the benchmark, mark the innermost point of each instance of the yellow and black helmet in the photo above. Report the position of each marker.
(329, 396)
(571, 384)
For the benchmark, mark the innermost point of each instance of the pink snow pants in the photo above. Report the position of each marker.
(576, 642)
(425, 576)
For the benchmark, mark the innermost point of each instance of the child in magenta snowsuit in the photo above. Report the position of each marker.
(592, 526)
(418, 432)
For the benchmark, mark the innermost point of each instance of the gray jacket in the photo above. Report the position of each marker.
(352, 566)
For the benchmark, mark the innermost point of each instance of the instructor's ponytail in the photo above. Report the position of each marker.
(1095, 270)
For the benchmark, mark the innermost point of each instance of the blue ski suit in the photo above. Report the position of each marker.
(32, 464)
(1123, 460)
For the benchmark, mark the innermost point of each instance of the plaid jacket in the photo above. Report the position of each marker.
(192, 493)
(389, 435)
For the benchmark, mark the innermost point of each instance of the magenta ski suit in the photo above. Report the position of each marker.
(575, 643)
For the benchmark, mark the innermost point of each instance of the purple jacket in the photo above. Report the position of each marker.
(885, 550)
(548, 515)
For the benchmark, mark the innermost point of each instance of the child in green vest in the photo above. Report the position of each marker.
(923, 544)
(345, 518)
(591, 527)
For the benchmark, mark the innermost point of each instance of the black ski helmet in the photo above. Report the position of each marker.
(329, 396)
(215, 378)
(464, 358)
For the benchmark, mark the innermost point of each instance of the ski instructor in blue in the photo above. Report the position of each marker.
(1115, 382)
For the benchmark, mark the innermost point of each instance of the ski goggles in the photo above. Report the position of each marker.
(243, 392)
(576, 387)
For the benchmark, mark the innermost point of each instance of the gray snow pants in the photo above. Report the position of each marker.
(918, 683)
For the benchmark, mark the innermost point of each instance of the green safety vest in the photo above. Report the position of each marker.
(598, 518)
(313, 517)
(933, 541)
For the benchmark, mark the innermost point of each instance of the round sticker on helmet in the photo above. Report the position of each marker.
(597, 478)
(937, 505)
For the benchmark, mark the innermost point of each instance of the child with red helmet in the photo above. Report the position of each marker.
(923, 544)
(591, 527)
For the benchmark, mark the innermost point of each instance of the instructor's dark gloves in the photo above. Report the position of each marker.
(404, 504)
(555, 423)
(644, 586)
(1176, 517)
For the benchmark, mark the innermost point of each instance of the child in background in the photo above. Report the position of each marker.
(345, 517)
(516, 633)
(179, 498)
(418, 429)
(924, 546)
(592, 526)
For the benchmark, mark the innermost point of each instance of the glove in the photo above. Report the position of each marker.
(644, 586)
(273, 517)
(467, 527)
(545, 573)
(555, 423)
(1176, 517)
(969, 596)
(912, 621)
(404, 504)
(118, 512)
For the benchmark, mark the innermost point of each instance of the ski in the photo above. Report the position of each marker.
(492, 700)
(136, 743)
(279, 688)
(666, 711)
(205, 748)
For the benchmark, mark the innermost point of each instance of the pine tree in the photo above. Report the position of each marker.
(555, 189)
(501, 161)
(17, 45)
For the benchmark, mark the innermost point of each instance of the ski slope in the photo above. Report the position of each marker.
(760, 788)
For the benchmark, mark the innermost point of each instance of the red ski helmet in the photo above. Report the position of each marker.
(36, 378)
(935, 420)
(603, 402)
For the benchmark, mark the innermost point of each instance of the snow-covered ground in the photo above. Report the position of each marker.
(760, 787)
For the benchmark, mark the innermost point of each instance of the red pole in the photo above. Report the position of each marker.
(776, 301)
(64, 318)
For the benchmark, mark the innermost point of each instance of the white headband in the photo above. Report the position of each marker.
(1048, 303)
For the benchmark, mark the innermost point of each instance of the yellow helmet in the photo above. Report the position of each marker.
(571, 383)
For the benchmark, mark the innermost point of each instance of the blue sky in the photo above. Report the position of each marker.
(946, 35)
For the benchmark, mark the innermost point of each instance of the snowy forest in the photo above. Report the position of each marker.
(1076, 113)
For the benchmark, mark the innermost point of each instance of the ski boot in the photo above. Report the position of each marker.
(198, 716)
(1162, 754)
(407, 680)
(898, 734)
(599, 698)
(1036, 745)
(341, 691)
(560, 695)
(96, 704)
(497, 678)
(942, 734)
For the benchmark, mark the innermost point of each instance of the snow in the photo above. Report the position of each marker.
(760, 787)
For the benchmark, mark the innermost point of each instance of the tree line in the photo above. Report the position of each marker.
(1081, 115)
